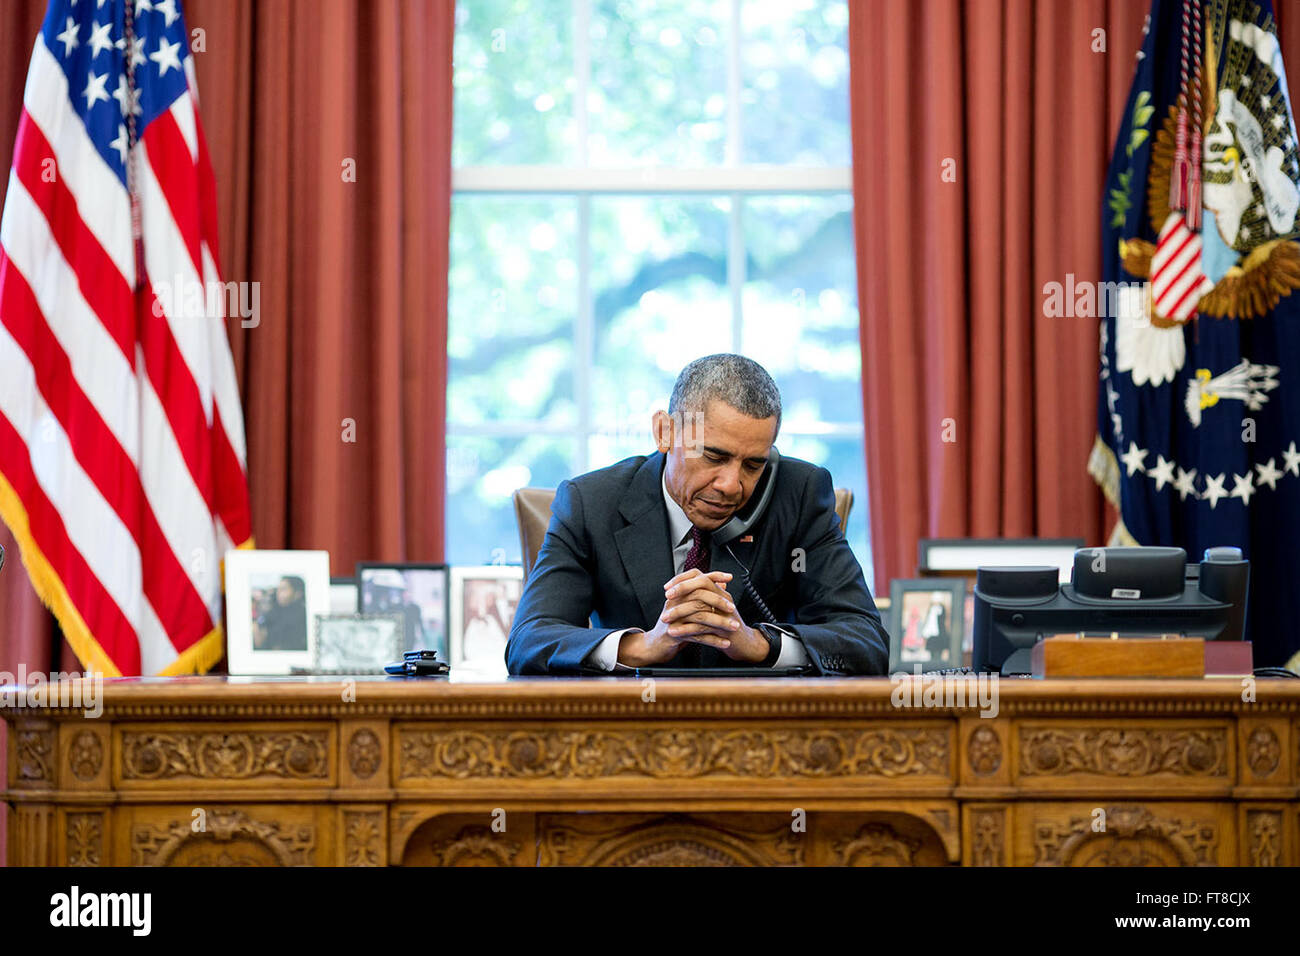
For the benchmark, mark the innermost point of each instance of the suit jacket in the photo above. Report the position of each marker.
(607, 554)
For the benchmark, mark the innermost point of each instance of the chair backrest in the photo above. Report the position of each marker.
(843, 505)
(533, 515)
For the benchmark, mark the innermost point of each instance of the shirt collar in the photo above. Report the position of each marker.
(679, 526)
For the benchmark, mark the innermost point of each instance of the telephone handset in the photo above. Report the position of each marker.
(748, 516)
(744, 519)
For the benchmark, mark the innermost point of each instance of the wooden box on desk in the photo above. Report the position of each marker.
(1069, 655)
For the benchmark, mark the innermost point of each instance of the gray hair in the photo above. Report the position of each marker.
(740, 382)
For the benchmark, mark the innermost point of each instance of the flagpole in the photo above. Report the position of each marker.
(137, 231)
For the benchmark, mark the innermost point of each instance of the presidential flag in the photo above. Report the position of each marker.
(1199, 401)
(122, 470)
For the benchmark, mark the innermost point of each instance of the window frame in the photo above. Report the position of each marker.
(733, 179)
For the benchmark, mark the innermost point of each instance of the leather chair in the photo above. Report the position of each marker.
(533, 514)
(843, 505)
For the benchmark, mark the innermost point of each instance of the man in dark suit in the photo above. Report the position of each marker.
(630, 548)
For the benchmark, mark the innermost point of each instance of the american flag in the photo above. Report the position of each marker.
(122, 463)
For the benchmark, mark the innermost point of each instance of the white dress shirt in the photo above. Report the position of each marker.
(605, 654)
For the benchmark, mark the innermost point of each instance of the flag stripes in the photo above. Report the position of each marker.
(122, 468)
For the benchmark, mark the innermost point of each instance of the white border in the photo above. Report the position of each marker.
(456, 597)
(314, 569)
(969, 557)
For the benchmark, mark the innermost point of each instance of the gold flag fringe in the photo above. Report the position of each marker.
(199, 657)
(1104, 469)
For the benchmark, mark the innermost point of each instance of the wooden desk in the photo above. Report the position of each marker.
(208, 771)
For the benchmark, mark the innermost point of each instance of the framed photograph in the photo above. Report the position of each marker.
(962, 557)
(343, 596)
(483, 602)
(416, 592)
(926, 624)
(356, 643)
(271, 599)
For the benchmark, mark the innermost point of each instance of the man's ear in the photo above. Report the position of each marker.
(662, 427)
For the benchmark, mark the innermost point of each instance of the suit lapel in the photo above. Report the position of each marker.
(643, 543)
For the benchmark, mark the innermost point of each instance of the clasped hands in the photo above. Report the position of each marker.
(697, 609)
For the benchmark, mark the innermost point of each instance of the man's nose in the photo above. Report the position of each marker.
(727, 482)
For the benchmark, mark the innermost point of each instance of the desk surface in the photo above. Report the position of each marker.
(914, 770)
(624, 696)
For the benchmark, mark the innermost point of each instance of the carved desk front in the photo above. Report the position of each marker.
(314, 771)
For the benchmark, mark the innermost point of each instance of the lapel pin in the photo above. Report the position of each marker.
(747, 539)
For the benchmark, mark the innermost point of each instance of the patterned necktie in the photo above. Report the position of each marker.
(698, 557)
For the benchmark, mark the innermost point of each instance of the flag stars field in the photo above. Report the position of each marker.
(69, 37)
(165, 56)
(1268, 474)
(1162, 473)
(95, 90)
(120, 144)
(1243, 486)
(123, 94)
(99, 39)
(1134, 459)
(1185, 484)
(168, 9)
(1292, 460)
(137, 49)
(1214, 489)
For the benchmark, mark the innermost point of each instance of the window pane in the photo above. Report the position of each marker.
(482, 474)
(514, 83)
(801, 307)
(844, 459)
(658, 82)
(623, 439)
(513, 282)
(795, 65)
(659, 293)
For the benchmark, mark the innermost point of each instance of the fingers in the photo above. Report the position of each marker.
(708, 638)
(700, 600)
(693, 580)
(697, 573)
(694, 572)
(693, 622)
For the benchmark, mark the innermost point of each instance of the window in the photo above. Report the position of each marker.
(638, 183)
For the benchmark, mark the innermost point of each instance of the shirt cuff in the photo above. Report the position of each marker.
(793, 653)
(604, 656)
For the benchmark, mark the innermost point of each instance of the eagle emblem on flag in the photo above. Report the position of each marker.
(1198, 402)
(1232, 254)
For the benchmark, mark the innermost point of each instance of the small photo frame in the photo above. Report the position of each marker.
(343, 596)
(416, 592)
(272, 598)
(356, 643)
(483, 602)
(962, 557)
(926, 624)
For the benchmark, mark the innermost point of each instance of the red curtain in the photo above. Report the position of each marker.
(981, 135)
(329, 125)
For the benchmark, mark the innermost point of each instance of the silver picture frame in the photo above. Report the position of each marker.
(359, 644)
